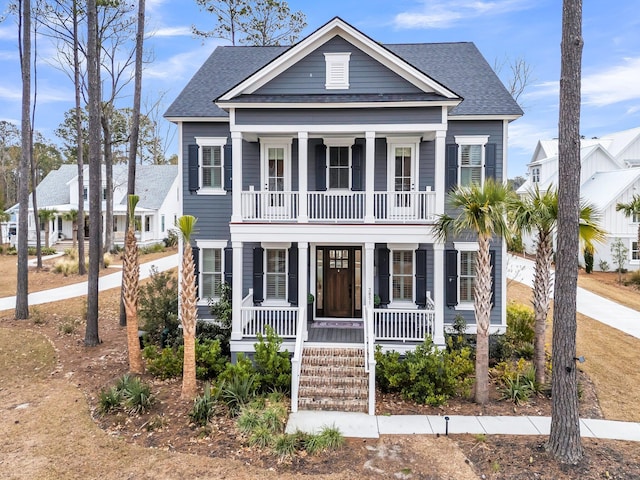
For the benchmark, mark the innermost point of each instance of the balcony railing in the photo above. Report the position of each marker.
(329, 206)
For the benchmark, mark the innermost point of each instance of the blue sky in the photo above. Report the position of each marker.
(500, 28)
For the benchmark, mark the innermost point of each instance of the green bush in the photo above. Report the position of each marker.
(517, 380)
(158, 308)
(209, 360)
(171, 240)
(427, 375)
(588, 259)
(109, 400)
(155, 248)
(272, 365)
(163, 363)
(518, 340)
(204, 407)
(237, 392)
(129, 392)
(43, 250)
(329, 438)
(222, 311)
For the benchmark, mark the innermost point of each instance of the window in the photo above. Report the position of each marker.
(471, 159)
(403, 159)
(337, 70)
(275, 169)
(211, 164)
(104, 194)
(85, 193)
(276, 165)
(535, 174)
(115, 224)
(276, 274)
(162, 226)
(402, 276)
(467, 276)
(635, 254)
(339, 168)
(211, 272)
(147, 224)
(635, 218)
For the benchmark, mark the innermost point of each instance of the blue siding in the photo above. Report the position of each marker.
(251, 165)
(337, 116)
(427, 165)
(366, 75)
(380, 172)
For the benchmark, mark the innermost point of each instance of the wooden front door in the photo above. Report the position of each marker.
(339, 282)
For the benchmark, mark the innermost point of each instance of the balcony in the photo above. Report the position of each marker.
(340, 206)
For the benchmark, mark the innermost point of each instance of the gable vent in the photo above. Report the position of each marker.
(337, 70)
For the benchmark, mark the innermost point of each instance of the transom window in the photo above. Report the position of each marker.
(339, 167)
(276, 274)
(467, 277)
(211, 272)
(402, 276)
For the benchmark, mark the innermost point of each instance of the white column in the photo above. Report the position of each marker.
(369, 168)
(440, 171)
(303, 278)
(303, 166)
(236, 292)
(369, 286)
(236, 175)
(438, 293)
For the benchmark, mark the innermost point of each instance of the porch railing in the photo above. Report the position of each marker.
(406, 325)
(336, 206)
(269, 206)
(283, 320)
(404, 206)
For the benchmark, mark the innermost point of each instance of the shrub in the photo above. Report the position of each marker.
(248, 420)
(203, 407)
(128, 392)
(155, 248)
(163, 363)
(517, 380)
(272, 365)
(285, 446)
(456, 336)
(209, 360)
(237, 392)
(427, 375)
(634, 278)
(604, 265)
(329, 438)
(31, 251)
(588, 259)
(243, 368)
(171, 240)
(158, 308)
(520, 334)
(109, 400)
(222, 311)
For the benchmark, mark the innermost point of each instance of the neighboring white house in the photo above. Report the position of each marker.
(610, 174)
(156, 212)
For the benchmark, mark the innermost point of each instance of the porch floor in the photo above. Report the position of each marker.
(334, 335)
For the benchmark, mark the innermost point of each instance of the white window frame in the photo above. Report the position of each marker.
(402, 142)
(410, 301)
(337, 70)
(472, 140)
(275, 301)
(210, 142)
(634, 261)
(209, 245)
(333, 143)
(635, 218)
(535, 174)
(464, 247)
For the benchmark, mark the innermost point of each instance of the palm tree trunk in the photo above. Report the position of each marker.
(188, 310)
(130, 295)
(541, 301)
(482, 304)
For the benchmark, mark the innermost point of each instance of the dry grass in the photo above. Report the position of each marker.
(606, 284)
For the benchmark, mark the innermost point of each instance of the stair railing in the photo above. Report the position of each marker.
(296, 362)
(369, 357)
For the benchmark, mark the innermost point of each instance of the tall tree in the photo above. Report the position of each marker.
(131, 288)
(188, 307)
(253, 22)
(631, 209)
(10, 154)
(564, 440)
(482, 211)
(538, 213)
(22, 288)
(95, 184)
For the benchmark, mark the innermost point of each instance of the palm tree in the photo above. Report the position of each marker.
(46, 215)
(631, 209)
(538, 212)
(72, 216)
(130, 290)
(188, 307)
(481, 210)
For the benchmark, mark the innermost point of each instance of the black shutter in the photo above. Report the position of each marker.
(228, 164)
(357, 183)
(490, 161)
(421, 278)
(194, 183)
(293, 275)
(383, 275)
(492, 262)
(321, 167)
(451, 268)
(258, 273)
(195, 253)
(228, 265)
(451, 167)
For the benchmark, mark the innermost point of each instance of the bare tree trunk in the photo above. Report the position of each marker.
(564, 440)
(22, 288)
(108, 167)
(76, 79)
(482, 301)
(541, 302)
(189, 317)
(135, 126)
(34, 163)
(34, 201)
(95, 221)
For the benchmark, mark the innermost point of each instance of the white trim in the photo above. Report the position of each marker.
(398, 142)
(402, 246)
(203, 142)
(338, 141)
(309, 105)
(267, 143)
(275, 245)
(471, 139)
(336, 70)
(402, 303)
(179, 120)
(381, 129)
(209, 245)
(484, 117)
(466, 246)
(275, 301)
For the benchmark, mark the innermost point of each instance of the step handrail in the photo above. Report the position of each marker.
(369, 357)
(296, 361)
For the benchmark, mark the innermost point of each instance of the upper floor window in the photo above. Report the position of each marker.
(211, 164)
(402, 276)
(635, 218)
(535, 174)
(339, 168)
(337, 70)
(471, 159)
(276, 164)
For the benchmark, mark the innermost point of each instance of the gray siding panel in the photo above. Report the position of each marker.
(380, 171)
(366, 75)
(337, 116)
(427, 165)
(251, 165)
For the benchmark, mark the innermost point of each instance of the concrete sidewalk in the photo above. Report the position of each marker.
(113, 280)
(361, 425)
(594, 306)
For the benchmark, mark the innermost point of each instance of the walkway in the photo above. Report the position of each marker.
(113, 280)
(594, 306)
(362, 425)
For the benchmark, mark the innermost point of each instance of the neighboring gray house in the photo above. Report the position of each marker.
(156, 212)
(318, 169)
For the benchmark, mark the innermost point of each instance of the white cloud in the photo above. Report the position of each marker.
(618, 83)
(175, 67)
(524, 136)
(444, 14)
(13, 93)
(172, 32)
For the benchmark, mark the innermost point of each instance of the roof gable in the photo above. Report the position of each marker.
(337, 27)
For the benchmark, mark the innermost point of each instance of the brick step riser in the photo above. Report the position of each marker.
(333, 361)
(328, 404)
(354, 384)
(324, 371)
(337, 352)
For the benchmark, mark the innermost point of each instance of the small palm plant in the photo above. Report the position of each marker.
(131, 289)
(631, 209)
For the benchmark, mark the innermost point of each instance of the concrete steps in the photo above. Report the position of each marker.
(333, 379)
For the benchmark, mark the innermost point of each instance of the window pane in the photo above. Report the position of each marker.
(206, 156)
(471, 155)
(216, 156)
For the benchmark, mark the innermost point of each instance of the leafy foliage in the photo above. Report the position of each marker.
(130, 393)
(237, 392)
(204, 407)
(219, 329)
(427, 375)
(158, 307)
(163, 363)
(209, 359)
(588, 259)
(517, 380)
(272, 365)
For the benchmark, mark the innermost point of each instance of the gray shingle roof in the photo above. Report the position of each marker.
(153, 183)
(458, 66)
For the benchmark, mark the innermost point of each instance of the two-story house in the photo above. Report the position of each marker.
(316, 172)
